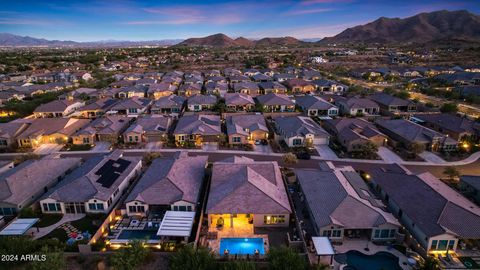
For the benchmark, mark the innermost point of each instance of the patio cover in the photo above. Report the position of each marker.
(19, 226)
(323, 246)
(176, 223)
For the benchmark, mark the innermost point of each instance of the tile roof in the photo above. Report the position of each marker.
(238, 99)
(202, 99)
(55, 106)
(49, 126)
(448, 121)
(272, 99)
(247, 186)
(313, 102)
(171, 180)
(151, 124)
(299, 126)
(433, 206)
(239, 124)
(24, 181)
(199, 124)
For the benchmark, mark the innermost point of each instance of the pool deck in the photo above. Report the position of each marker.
(360, 245)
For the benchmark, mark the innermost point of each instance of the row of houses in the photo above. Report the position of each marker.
(392, 205)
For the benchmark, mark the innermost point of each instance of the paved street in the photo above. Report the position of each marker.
(153, 145)
(266, 149)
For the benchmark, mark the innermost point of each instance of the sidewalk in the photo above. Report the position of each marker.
(46, 230)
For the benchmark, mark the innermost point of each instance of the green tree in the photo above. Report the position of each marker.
(130, 257)
(239, 265)
(150, 156)
(289, 159)
(451, 172)
(54, 260)
(430, 263)
(449, 108)
(189, 258)
(368, 150)
(417, 148)
(284, 258)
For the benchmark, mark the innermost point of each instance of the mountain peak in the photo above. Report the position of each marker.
(420, 28)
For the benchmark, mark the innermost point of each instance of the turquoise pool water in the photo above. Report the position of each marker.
(138, 234)
(242, 245)
(359, 261)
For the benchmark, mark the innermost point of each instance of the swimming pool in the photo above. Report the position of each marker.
(359, 261)
(241, 245)
(138, 234)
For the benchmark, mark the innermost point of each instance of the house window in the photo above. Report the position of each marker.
(45, 207)
(297, 142)
(136, 138)
(442, 245)
(181, 138)
(274, 219)
(54, 207)
(189, 208)
(100, 206)
(182, 208)
(92, 206)
(137, 209)
(196, 107)
(451, 244)
(434, 244)
(336, 233)
(86, 140)
(132, 110)
(3, 142)
(236, 139)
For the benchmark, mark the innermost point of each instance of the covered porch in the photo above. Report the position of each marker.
(231, 225)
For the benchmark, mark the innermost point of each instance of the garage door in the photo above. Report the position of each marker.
(319, 141)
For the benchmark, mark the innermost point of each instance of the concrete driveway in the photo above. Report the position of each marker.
(325, 152)
(431, 157)
(262, 149)
(210, 147)
(388, 155)
(153, 145)
(101, 146)
(47, 148)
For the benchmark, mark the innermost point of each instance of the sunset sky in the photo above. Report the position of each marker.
(89, 20)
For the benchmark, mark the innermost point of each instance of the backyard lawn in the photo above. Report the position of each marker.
(89, 223)
(59, 234)
(48, 219)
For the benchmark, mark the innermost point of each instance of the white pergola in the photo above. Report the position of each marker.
(19, 226)
(323, 247)
(176, 224)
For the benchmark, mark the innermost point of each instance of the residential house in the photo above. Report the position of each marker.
(469, 185)
(9, 133)
(83, 93)
(162, 89)
(316, 106)
(341, 205)
(299, 86)
(97, 108)
(282, 77)
(238, 102)
(246, 128)
(132, 91)
(170, 105)
(272, 87)
(187, 90)
(409, 134)
(131, 107)
(329, 86)
(198, 129)
(272, 102)
(50, 130)
(216, 88)
(458, 128)
(234, 79)
(199, 102)
(310, 75)
(57, 108)
(168, 184)
(434, 214)
(247, 88)
(389, 104)
(94, 187)
(24, 184)
(353, 133)
(148, 128)
(260, 77)
(247, 194)
(357, 106)
(299, 131)
(105, 129)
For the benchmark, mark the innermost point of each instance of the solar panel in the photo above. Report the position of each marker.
(111, 170)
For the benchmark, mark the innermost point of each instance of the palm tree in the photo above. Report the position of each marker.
(189, 258)
(131, 257)
(284, 258)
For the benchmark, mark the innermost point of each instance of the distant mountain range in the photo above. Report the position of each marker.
(422, 28)
(438, 26)
(10, 40)
(222, 40)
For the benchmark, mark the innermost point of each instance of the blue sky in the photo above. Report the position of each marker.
(90, 20)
